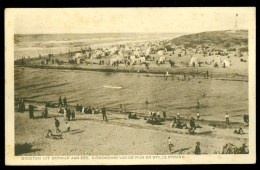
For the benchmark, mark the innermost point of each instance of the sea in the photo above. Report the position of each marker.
(216, 97)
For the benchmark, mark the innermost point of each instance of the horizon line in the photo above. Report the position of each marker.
(130, 32)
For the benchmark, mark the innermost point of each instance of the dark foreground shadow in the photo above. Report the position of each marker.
(24, 148)
(179, 151)
(75, 132)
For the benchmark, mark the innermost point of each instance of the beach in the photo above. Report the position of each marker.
(90, 135)
(175, 76)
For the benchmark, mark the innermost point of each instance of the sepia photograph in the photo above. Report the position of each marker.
(108, 86)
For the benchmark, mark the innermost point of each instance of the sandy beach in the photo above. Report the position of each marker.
(90, 135)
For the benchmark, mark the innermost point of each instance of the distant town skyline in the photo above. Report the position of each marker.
(130, 20)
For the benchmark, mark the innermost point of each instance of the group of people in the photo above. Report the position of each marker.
(21, 105)
(63, 102)
(178, 122)
(155, 117)
(245, 119)
(87, 110)
(68, 113)
(58, 134)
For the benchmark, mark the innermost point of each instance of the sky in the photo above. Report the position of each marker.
(127, 20)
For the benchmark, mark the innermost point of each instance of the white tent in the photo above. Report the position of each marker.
(194, 60)
(148, 51)
(162, 59)
(142, 59)
(161, 52)
(132, 57)
(77, 55)
(226, 63)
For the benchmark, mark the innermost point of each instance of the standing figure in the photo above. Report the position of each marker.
(227, 119)
(192, 125)
(104, 114)
(31, 110)
(45, 113)
(170, 144)
(197, 149)
(198, 116)
(198, 104)
(83, 109)
(65, 101)
(73, 115)
(68, 114)
(57, 125)
(60, 101)
(164, 114)
(246, 119)
(68, 127)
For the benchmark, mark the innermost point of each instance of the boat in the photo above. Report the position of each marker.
(112, 87)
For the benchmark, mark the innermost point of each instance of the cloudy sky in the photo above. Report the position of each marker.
(148, 20)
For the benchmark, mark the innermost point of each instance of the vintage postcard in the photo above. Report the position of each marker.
(130, 86)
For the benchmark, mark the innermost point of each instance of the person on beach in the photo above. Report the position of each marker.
(125, 108)
(45, 112)
(121, 108)
(239, 131)
(146, 102)
(227, 119)
(31, 110)
(158, 113)
(104, 114)
(197, 149)
(198, 104)
(60, 101)
(198, 116)
(57, 125)
(68, 127)
(65, 101)
(170, 144)
(178, 117)
(68, 114)
(246, 119)
(83, 109)
(73, 115)
(166, 75)
(65, 113)
(164, 115)
(192, 125)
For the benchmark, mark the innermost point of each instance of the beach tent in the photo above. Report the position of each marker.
(132, 58)
(142, 59)
(226, 63)
(116, 58)
(161, 52)
(114, 50)
(162, 59)
(148, 51)
(194, 60)
(77, 55)
(136, 53)
(78, 60)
